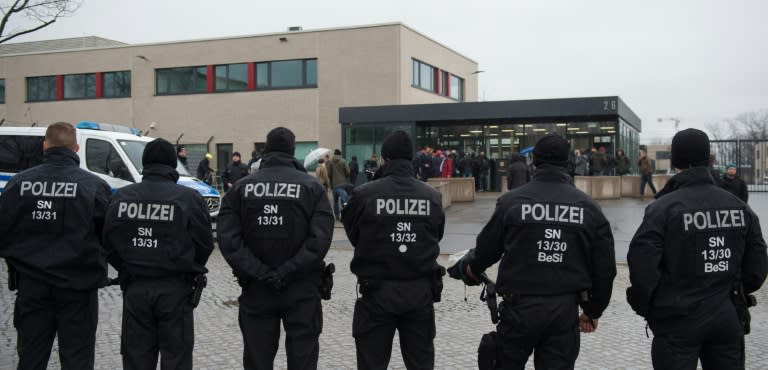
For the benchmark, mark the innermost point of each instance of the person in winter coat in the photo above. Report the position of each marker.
(204, 169)
(517, 172)
(235, 171)
(338, 174)
(322, 173)
(622, 163)
(354, 169)
(447, 170)
(646, 173)
(580, 164)
(599, 162)
(733, 183)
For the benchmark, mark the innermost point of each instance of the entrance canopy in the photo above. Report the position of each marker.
(498, 128)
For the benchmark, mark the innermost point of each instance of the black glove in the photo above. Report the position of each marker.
(273, 280)
(457, 271)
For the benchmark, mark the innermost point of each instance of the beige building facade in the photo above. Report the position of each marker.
(229, 92)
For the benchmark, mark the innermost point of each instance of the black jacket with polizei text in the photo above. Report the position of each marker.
(157, 228)
(696, 240)
(552, 239)
(395, 223)
(50, 229)
(278, 218)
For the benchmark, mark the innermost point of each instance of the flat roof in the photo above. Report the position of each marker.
(100, 47)
(582, 109)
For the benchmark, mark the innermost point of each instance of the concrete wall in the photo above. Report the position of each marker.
(359, 66)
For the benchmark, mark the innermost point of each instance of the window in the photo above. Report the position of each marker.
(423, 75)
(2, 91)
(232, 77)
(41, 88)
(101, 157)
(80, 86)
(184, 80)
(427, 77)
(662, 154)
(286, 74)
(457, 88)
(116, 84)
(17, 153)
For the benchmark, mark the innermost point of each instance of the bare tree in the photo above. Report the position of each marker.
(751, 125)
(716, 130)
(41, 14)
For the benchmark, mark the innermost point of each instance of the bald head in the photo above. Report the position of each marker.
(61, 135)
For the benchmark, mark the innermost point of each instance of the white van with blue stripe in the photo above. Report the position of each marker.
(109, 151)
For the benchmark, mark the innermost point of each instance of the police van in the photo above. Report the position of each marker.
(111, 152)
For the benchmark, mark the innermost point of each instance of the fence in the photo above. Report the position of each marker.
(749, 157)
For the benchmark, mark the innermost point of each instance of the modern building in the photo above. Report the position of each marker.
(224, 95)
(497, 128)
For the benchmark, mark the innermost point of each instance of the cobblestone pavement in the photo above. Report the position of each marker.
(619, 343)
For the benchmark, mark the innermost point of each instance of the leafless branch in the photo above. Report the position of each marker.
(41, 13)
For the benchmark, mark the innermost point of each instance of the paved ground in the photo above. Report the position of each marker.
(620, 342)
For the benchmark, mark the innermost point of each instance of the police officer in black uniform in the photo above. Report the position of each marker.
(556, 251)
(692, 262)
(274, 229)
(395, 223)
(51, 217)
(158, 236)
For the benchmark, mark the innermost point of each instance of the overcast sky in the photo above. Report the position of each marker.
(700, 60)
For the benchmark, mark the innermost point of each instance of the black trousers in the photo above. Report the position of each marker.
(262, 309)
(403, 306)
(712, 333)
(157, 319)
(547, 326)
(43, 312)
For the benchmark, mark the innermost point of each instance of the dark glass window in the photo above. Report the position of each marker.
(232, 77)
(423, 75)
(311, 69)
(2, 91)
(183, 80)
(262, 75)
(80, 86)
(286, 74)
(41, 88)
(457, 88)
(101, 157)
(17, 153)
(116, 84)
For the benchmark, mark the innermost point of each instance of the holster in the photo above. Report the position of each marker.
(488, 295)
(743, 302)
(199, 281)
(327, 281)
(437, 283)
(487, 352)
(13, 277)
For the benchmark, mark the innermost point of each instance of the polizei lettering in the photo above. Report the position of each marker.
(145, 211)
(714, 219)
(552, 212)
(402, 207)
(272, 190)
(52, 189)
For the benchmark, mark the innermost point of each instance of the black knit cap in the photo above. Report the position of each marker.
(690, 148)
(159, 151)
(280, 139)
(397, 146)
(551, 149)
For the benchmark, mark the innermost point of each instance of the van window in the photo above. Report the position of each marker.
(18, 153)
(101, 157)
(135, 150)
